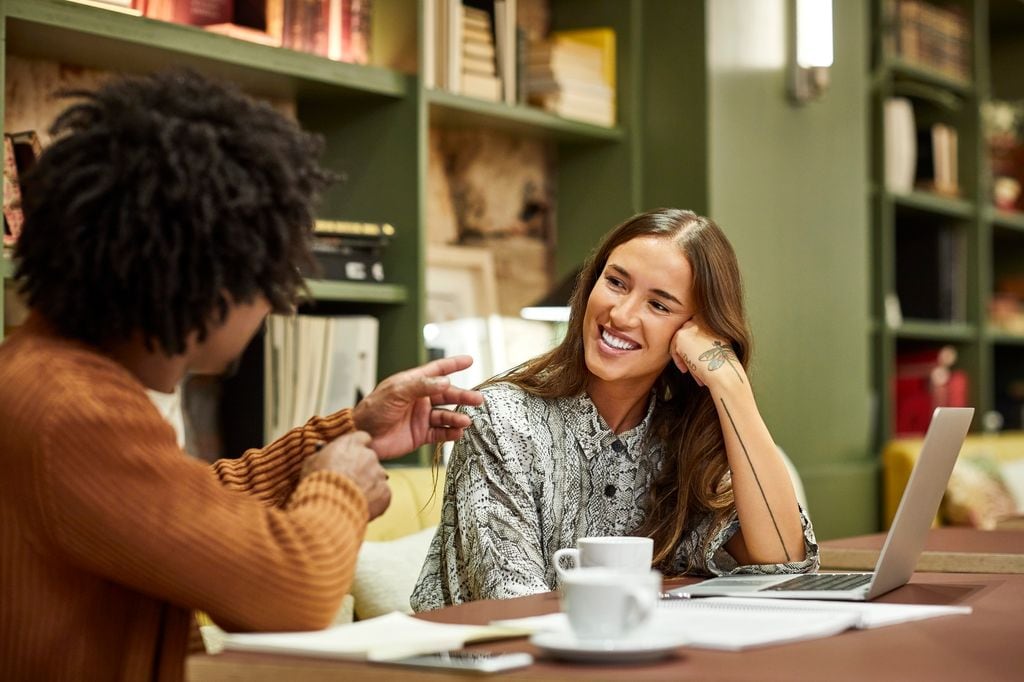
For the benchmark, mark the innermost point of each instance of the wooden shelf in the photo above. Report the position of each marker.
(934, 203)
(356, 292)
(449, 109)
(1002, 338)
(1006, 219)
(321, 289)
(931, 330)
(921, 74)
(71, 33)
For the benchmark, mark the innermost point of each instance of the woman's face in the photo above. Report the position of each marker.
(639, 302)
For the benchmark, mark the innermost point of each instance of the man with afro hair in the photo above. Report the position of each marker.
(167, 218)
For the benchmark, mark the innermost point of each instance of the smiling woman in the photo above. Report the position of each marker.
(642, 422)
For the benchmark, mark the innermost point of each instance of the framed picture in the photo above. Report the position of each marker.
(462, 310)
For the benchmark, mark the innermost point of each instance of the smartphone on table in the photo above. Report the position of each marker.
(480, 662)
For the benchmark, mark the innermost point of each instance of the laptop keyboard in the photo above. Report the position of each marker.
(823, 581)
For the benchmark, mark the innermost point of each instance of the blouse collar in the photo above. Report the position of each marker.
(594, 434)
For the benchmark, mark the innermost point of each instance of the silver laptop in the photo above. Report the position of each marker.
(903, 544)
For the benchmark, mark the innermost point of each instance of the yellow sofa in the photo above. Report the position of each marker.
(415, 503)
(899, 457)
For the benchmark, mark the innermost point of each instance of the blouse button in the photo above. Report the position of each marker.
(609, 490)
(617, 446)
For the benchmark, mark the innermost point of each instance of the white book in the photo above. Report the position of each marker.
(350, 367)
(900, 145)
(335, 30)
(505, 39)
(453, 46)
(429, 56)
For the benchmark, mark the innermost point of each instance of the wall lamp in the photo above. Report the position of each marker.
(812, 48)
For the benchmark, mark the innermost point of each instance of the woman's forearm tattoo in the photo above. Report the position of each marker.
(757, 480)
(720, 354)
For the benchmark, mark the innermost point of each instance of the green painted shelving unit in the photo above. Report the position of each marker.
(375, 121)
(988, 243)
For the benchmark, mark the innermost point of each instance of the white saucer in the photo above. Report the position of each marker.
(566, 645)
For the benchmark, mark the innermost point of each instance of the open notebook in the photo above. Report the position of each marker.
(731, 624)
(384, 638)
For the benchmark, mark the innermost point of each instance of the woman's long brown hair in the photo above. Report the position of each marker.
(692, 480)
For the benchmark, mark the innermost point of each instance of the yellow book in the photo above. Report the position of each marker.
(603, 39)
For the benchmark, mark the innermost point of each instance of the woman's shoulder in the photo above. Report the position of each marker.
(506, 401)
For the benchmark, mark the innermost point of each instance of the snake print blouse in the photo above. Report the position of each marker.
(529, 477)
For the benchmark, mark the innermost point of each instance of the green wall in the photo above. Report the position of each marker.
(789, 186)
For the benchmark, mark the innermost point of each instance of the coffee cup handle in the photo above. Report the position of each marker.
(563, 553)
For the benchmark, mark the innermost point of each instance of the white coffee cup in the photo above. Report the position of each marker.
(627, 553)
(605, 603)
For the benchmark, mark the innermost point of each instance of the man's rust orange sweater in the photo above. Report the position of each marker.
(110, 535)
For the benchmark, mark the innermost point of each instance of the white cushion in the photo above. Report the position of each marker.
(386, 573)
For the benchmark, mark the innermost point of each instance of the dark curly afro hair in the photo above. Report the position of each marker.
(162, 199)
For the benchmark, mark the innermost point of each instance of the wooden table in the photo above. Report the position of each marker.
(948, 550)
(986, 645)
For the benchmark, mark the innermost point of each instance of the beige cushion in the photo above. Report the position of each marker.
(386, 573)
(1013, 476)
(976, 494)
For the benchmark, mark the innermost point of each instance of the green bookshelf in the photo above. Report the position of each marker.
(449, 109)
(97, 38)
(1006, 219)
(982, 243)
(375, 121)
(939, 332)
(934, 203)
(356, 292)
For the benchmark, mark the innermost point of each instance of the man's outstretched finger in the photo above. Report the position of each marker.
(444, 366)
(454, 395)
(449, 419)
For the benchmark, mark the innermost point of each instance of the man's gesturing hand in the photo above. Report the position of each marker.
(403, 412)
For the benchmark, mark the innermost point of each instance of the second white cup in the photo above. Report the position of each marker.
(604, 603)
(626, 553)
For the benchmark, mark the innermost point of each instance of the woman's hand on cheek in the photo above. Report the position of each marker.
(710, 360)
(685, 348)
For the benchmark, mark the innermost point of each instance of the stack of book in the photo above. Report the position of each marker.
(572, 74)
(351, 251)
(471, 48)
(479, 68)
(20, 152)
(337, 29)
(926, 379)
(934, 36)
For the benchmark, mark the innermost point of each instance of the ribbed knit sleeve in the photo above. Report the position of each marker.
(271, 473)
(120, 500)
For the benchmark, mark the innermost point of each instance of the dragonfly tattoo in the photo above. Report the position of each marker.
(718, 355)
